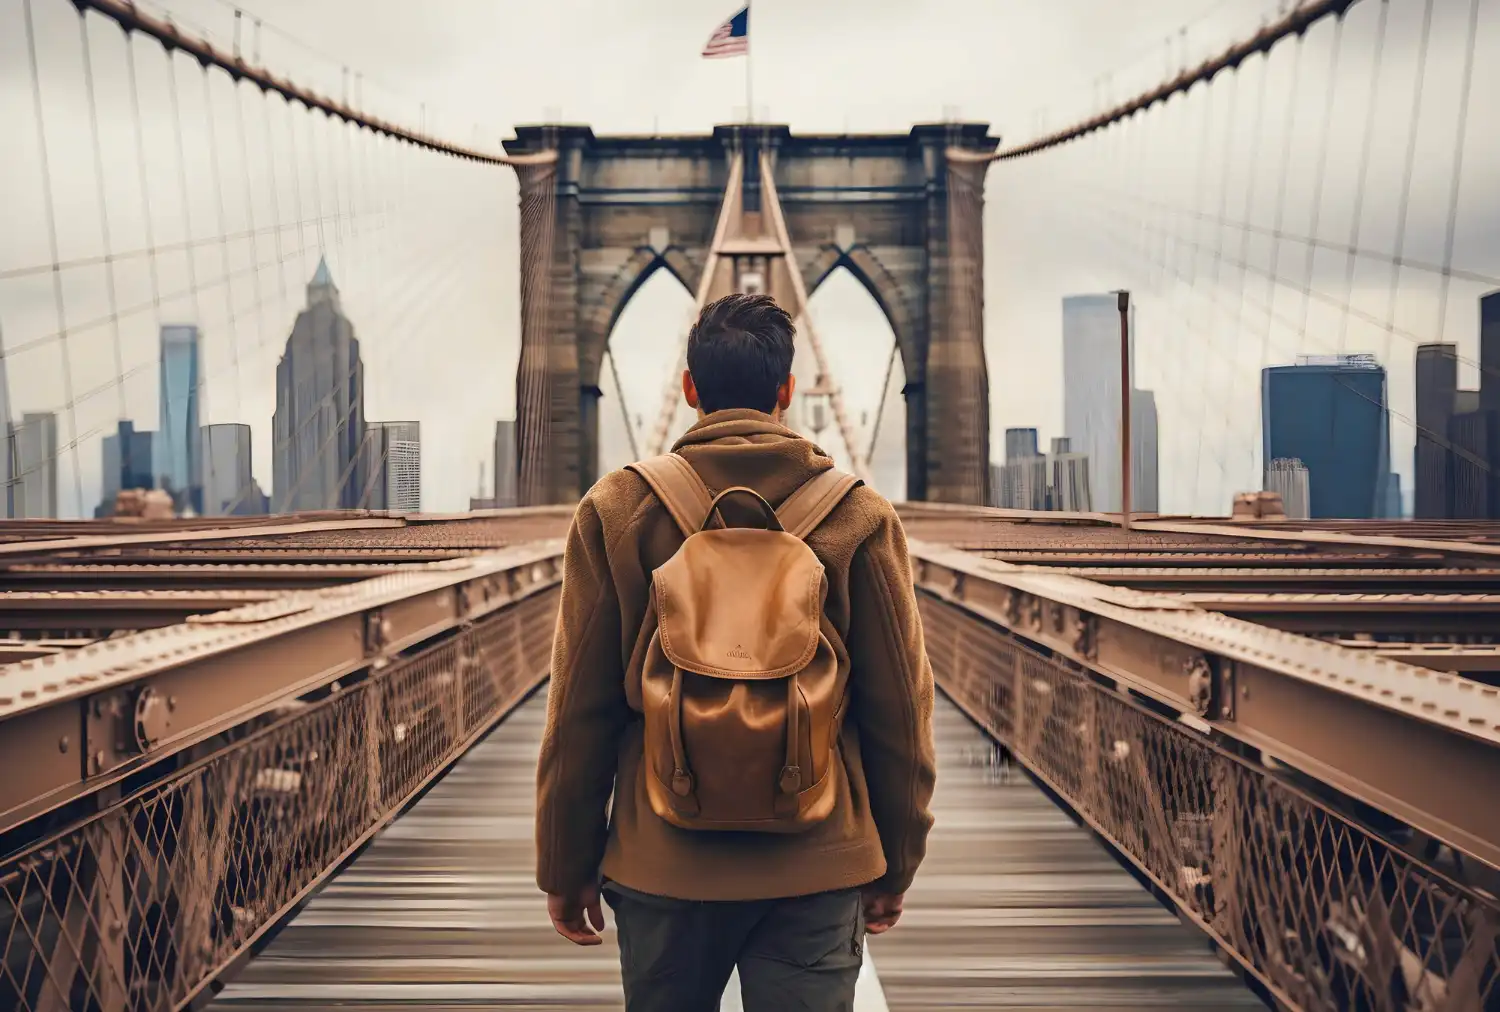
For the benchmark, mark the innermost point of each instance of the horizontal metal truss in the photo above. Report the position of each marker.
(1413, 743)
(1322, 912)
(143, 905)
(73, 723)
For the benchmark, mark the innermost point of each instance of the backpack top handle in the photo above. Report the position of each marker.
(691, 505)
(773, 522)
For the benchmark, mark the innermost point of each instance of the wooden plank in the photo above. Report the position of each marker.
(1015, 908)
(1018, 907)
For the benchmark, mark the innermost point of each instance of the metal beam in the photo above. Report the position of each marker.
(108, 574)
(73, 723)
(116, 609)
(1405, 740)
(1291, 578)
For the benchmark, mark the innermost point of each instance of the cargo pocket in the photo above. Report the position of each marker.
(826, 930)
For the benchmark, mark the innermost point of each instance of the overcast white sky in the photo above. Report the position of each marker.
(425, 247)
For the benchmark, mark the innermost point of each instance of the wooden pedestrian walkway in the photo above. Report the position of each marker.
(1016, 907)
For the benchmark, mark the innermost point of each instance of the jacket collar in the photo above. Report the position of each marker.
(744, 447)
(734, 422)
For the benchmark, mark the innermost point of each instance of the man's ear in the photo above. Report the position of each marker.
(689, 391)
(785, 391)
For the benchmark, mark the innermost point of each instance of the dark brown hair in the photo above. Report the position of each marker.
(739, 352)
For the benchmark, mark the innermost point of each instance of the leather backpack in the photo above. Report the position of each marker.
(741, 685)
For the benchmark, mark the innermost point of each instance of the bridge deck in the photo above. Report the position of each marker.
(1016, 908)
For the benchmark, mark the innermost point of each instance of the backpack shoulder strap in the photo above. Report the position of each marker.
(679, 489)
(807, 507)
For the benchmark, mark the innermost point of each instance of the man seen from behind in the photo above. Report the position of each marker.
(739, 665)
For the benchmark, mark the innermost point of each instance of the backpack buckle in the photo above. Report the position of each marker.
(791, 780)
(682, 783)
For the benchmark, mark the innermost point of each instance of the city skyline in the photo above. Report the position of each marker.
(215, 475)
(390, 452)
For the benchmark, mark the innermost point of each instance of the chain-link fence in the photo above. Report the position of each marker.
(144, 904)
(1324, 912)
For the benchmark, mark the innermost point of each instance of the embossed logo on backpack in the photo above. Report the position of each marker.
(739, 653)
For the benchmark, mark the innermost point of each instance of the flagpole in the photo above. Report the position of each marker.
(749, 81)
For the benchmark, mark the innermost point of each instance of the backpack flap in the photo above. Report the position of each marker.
(740, 603)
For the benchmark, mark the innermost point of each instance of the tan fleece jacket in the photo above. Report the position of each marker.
(592, 744)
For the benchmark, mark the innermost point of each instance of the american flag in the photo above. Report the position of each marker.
(732, 38)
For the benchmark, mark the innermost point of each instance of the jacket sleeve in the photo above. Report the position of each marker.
(891, 700)
(586, 712)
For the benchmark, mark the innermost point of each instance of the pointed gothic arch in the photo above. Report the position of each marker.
(877, 205)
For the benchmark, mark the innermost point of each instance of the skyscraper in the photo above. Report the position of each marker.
(1020, 444)
(35, 448)
(1437, 393)
(393, 472)
(1288, 478)
(1458, 431)
(506, 475)
(1474, 441)
(1092, 403)
(319, 425)
(129, 460)
(1021, 482)
(1489, 351)
(178, 442)
(1068, 480)
(1331, 414)
(229, 487)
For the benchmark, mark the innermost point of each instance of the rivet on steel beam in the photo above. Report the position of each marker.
(1009, 606)
(1200, 684)
(62, 744)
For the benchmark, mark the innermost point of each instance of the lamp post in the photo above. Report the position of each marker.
(1123, 302)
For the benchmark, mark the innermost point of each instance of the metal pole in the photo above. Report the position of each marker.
(1124, 304)
(749, 81)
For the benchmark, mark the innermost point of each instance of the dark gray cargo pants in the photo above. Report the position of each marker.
(796, 954)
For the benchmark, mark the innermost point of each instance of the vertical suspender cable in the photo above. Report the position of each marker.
(50, 210)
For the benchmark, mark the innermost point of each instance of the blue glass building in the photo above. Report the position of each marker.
(178, 443)
(129, 462)
(1332, 415)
